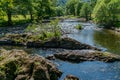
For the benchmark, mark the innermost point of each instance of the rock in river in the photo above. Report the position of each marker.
(71, 77)
(86, 55)
(29, 40)
(18, 65)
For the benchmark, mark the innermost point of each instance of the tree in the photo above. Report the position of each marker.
(59, 11)
(70, 7)
(25, 7)
(86, 11)
(106, 12)
(44, 9)
(16, 7)
(78, 7)
(7, 7)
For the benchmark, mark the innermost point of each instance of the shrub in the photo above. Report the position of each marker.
(79, 27)
(45, 31)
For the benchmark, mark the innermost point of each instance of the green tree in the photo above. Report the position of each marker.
(86, 11)
(71, 6)
(78, 7)
(106, 12)
(59, 11)
(25, 7)
(7, 6)
(44, 9)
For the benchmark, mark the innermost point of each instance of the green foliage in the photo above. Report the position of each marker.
(78, 7)
(30, 28)
(36, 9)
(79, 27)
(45, 32)
(59, 11)
(86, 11)
(70, 7)
(107, 12)
(56, 28)
(44, 9)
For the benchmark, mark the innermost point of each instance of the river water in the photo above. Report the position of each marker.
(104, 39)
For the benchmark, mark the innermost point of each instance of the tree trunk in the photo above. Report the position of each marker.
(86, 16)
(31, 16)
(9, 16)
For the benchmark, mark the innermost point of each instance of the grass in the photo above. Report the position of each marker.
(16, 19)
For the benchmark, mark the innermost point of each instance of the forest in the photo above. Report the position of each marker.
(59, 39)
(100, 11)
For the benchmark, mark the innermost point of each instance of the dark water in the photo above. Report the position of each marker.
(95, 70)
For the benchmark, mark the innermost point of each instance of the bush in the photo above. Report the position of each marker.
(45, 31)
(79, 27)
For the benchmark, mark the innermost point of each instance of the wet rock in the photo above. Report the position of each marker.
(50, 57)
(68, 43)
(29, 41)
(86, 55)
(71, 77)
(18, 65)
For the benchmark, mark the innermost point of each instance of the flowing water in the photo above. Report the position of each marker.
(105, 39)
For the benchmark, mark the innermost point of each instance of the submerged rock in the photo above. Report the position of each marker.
(71, 77)
(86, 55)
(29, 41)
(18, 65)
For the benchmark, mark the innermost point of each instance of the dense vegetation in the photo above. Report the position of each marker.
(107, 12)
(103, 12)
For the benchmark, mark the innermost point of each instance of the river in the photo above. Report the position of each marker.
(104, 39)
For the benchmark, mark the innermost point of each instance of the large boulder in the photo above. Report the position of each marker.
(30, 40)
(86, 55)
(18, 65)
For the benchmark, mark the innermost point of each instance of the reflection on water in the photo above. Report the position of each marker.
(108, 39)
(105, 39)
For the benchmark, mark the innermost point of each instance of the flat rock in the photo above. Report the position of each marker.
(86, 55)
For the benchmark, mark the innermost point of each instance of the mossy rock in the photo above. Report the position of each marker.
(18, 65)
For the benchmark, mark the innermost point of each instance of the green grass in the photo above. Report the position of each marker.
(16, 20)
